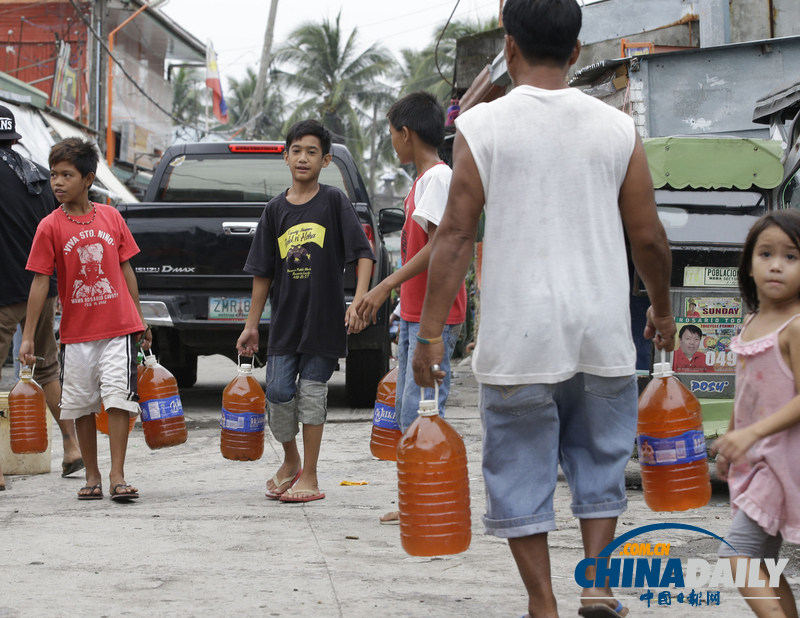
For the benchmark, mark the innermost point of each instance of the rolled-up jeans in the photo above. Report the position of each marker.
(586, 423)
(407, 396)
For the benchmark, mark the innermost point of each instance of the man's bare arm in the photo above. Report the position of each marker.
(649, 246)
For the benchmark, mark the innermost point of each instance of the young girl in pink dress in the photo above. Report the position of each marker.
(760, 453)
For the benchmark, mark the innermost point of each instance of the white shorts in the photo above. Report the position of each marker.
(98, 371)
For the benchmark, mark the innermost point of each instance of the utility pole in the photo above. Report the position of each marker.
(373, 159)
(266, 57)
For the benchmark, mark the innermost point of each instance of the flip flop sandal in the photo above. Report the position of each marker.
(272, 495)
(91, 496)
(296, 495)
(601, 610)
(389, 522)
(71, 468)
(122, 497)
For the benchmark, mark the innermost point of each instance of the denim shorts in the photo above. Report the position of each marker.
(586, 423)
(283, 371)
(407, 395)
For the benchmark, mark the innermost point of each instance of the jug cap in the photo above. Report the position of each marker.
(429, 407)
(662, 369)
(150, 359)
(244, 368)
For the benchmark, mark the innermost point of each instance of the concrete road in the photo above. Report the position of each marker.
(204, 541)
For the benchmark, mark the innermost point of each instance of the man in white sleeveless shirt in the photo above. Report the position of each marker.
(562, 178)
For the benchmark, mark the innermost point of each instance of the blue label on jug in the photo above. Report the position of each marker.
(158, 409)
(245, 422)
(685, 448)
(383, 417)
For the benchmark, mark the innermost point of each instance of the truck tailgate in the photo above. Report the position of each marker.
(196, 246)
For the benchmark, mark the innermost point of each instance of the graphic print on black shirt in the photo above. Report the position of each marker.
(298, 258)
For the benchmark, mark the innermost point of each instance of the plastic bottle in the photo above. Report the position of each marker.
(101, 420)
(385, 430)
(163, 422)
(27, 414)
(243, 416)
(671, 444)
(434, 486)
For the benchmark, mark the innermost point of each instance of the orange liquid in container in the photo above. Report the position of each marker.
(243, 417)
(27, 415)
(671, 444)
(385, 430)
(163, 421)
(101, 420)
(434, 486)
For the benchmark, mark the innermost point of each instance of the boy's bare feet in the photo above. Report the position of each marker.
(392, 517)
(278, 484)
(589, 597)
(123, 491)
(307, 483)
(90, 492)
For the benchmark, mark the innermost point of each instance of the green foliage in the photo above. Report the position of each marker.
(418, 68)
(269, 125)
(338, 82)
(188, 88)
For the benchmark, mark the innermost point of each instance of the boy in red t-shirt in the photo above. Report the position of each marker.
(416, 123)
(89, 246)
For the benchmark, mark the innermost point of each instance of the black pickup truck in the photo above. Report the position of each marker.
(194, 230)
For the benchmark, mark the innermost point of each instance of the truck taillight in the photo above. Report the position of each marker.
(371, 238)
(250, 148)
(370, 235)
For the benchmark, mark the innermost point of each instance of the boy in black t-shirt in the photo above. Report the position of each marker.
(304, 239)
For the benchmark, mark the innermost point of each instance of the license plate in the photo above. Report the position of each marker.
(229, 308)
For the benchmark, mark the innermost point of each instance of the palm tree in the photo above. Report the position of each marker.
(240, 98)
(340, 83)
(418, 70)
(187, 101)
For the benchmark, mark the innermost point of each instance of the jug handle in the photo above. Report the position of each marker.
(239, 360)
(435, 388)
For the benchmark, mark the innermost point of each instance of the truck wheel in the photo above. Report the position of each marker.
(185, 373)
(364, 369)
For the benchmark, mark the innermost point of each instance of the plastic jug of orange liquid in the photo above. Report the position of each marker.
(433, 485)
(243, 415)
(27, 414)
(385, 430)
(101, 417)
(101, 421)
(672, 444)
(163, 422)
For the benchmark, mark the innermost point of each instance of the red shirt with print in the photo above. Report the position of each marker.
(696, 364)
(94, 295)
(412, 292)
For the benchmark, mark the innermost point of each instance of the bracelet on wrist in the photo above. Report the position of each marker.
(424, 341)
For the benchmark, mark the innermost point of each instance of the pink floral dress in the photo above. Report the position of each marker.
(767, 486)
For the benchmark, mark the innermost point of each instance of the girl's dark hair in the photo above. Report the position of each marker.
(309, 127)
(789, 222)
(80, 153)
(545, 30)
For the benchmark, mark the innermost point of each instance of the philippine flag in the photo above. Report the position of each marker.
(213, 82)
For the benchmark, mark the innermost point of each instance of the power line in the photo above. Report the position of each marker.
(125, 73)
